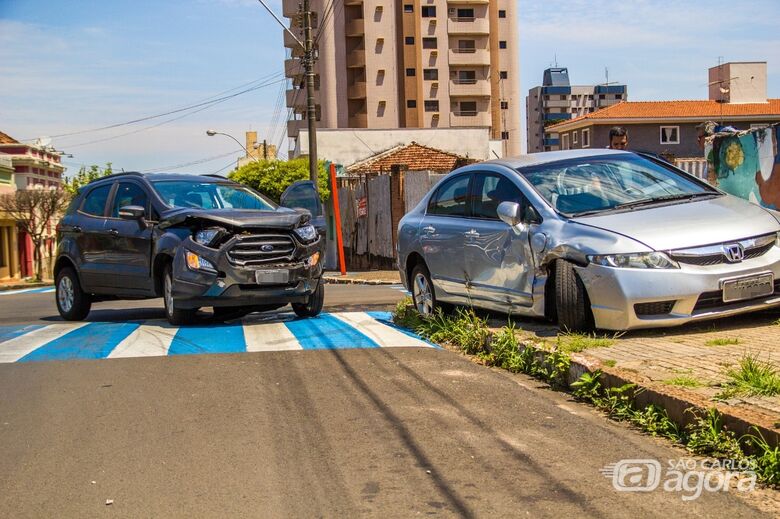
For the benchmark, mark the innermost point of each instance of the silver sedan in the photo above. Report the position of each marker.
(590, 238)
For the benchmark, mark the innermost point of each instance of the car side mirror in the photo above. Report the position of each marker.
(132, 212)
(509, 213)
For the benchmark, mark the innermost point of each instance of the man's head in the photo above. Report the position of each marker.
(618, 138)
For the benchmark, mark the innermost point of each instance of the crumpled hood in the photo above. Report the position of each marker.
(689, 224)
(282, 218)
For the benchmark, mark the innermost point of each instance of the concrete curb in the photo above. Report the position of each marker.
(676, 401)
(352, 281)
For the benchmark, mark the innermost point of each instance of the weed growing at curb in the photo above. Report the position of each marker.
(572, 342)
(683, 381)
(726, 341)
(754, 377)
(610, 363)
(706, 435)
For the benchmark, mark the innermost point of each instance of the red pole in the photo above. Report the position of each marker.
(334, 190)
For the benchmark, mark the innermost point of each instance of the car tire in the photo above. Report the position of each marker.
(176, 316)
(571, 300)
(423, 293)
(73, 303)
(313, 306)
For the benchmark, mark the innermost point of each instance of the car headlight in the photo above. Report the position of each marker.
(777, 239)
(306, 233)
(195, 262)
(208, 236)
(640, 260)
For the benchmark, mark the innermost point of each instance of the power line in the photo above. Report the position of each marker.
(171, 112)
(192, 163)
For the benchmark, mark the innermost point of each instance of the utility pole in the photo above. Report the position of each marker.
(311, 109)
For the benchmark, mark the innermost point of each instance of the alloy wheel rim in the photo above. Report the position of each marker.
(423, 299)
(65, 294)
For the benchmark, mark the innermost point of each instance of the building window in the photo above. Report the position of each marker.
(565, 141)
(431, 106)
(602, 96)
(431, 74)
(586, 138)
(505, 105)
(504, 136)
(502, 44)
(408, 8)
(670, 135)
(574, 137)
(409, 40)
(503, 74)
(466, 77)
(410, 72)
(411, 103)
(468, 108)
(430, 43)
(429, 11)
(465, 15)
(502, 13)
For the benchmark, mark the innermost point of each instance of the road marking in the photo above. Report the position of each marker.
(209, 338)
(36, 336)
(11, 332)
(385, 336)
(93, 341)
(153, 339)
(44, 290)
(327, 332)
(274, 336)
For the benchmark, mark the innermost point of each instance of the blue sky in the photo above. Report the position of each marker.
(69, 66)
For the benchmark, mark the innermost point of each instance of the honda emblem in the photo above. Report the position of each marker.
(734, 252)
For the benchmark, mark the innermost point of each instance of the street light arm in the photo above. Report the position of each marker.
(211, 133)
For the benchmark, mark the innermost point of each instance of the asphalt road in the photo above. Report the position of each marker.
(386, 432)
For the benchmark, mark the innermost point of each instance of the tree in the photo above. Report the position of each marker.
(272, 177)
(85, 176)
(33, 210)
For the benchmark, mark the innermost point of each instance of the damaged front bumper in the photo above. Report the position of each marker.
(221, 282)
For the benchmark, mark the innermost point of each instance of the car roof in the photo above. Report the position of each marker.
(534, 159)
(156, 177)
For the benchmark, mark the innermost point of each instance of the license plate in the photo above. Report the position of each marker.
(748, 287)
(271, 277)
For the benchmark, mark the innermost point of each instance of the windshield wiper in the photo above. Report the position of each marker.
(647, 201)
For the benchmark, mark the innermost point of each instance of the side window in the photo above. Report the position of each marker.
(451, 199)
(129, 193)
(95, 201)
(491, 190)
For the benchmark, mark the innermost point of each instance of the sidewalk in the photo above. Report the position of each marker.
(371, 277)
(687, 366)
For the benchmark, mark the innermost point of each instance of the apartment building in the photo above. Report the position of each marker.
(410, 64)
(557, 100)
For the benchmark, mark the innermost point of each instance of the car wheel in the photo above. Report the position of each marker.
(423, 294)
(313, 306)
(72, 302)
(571, 300)
(176, 316)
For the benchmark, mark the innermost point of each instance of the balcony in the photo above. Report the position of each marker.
(469, 88)
(295, 126)
(468, 26)
(359, 120)
(293, 67)
(290, 43)
(469, 57)
(470, 118)
(356, 59)
(357, 90)
(290, 8)
(297, 96)
(354, 27)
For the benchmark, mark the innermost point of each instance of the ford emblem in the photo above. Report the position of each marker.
(267, 248)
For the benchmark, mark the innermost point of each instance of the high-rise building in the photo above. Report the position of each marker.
(556, 100)
(410, 64)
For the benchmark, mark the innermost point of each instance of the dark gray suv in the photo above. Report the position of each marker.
(197, 241)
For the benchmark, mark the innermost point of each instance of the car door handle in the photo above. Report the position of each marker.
(113, 232)
(76, 228)
(429, 229)
(471, 234)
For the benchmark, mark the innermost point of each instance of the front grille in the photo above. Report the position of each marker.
(758, 251)
(248, 249)
(711, 255)
(655, 308)
(714, 299)
(712, 259)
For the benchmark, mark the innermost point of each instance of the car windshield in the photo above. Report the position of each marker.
(210, 195)
(593, 185)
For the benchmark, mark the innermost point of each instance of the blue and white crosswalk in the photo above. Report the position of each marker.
(400, 288)
(277, 332)
(42, 290)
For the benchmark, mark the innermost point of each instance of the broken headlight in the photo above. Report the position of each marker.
(306, 233)
(640, 260)
(208, 237)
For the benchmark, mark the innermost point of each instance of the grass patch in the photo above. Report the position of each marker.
(571, 342)
(753, 377)
(683, 381)
(610, 363)
(725, 341)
